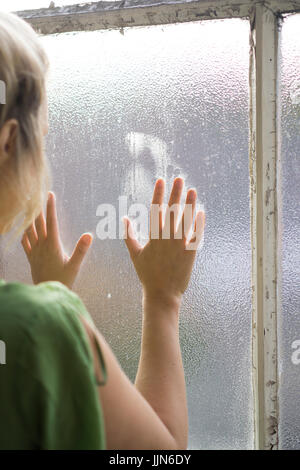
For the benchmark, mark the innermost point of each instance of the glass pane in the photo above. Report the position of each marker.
(124, 110)
(289, 230)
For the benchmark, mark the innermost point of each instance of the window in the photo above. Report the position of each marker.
(140, 91)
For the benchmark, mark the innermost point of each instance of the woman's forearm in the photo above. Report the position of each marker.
(160, 376)
(164, 267)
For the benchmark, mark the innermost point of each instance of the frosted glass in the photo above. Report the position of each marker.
(289, 230)
(124, 110)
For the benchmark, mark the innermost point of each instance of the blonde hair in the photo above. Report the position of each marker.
(23, 69)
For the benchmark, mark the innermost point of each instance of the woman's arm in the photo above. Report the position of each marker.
(160, 376)
(152, 414)
(130, 420)
(164, 267)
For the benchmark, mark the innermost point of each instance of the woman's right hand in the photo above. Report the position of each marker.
(164, 265)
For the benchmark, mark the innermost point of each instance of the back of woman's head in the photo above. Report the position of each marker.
(23, 176)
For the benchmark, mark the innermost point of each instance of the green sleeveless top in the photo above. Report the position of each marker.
(48, 390)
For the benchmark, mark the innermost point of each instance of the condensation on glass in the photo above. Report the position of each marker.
(162, 101)
(289, 231)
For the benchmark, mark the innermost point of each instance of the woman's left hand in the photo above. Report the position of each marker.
(45, 253)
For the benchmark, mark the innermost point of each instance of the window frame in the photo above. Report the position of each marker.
(265, 19)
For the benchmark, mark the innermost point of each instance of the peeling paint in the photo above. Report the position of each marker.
(263, 161)
(270, 383)
(266, 55)
(268, 171)
(126, 13)
(268, 195)
(272, 430)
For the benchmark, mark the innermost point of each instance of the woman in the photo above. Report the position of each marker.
(61, 386)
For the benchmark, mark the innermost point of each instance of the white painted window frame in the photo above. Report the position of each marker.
(265, 18)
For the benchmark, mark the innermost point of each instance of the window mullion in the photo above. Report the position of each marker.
(263, 164)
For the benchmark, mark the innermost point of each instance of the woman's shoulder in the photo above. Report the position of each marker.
(45, 302)
(42, 321)
(49, 365)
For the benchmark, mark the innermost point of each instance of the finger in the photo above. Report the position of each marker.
(51, 222)
(32, 235)
(187, 215)
(173, 208)
(198, 231)
(176, 191)
(26, 245)
(40, 226)
(80, 251)
(132, 244)
(156, 209)
(158, 192)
